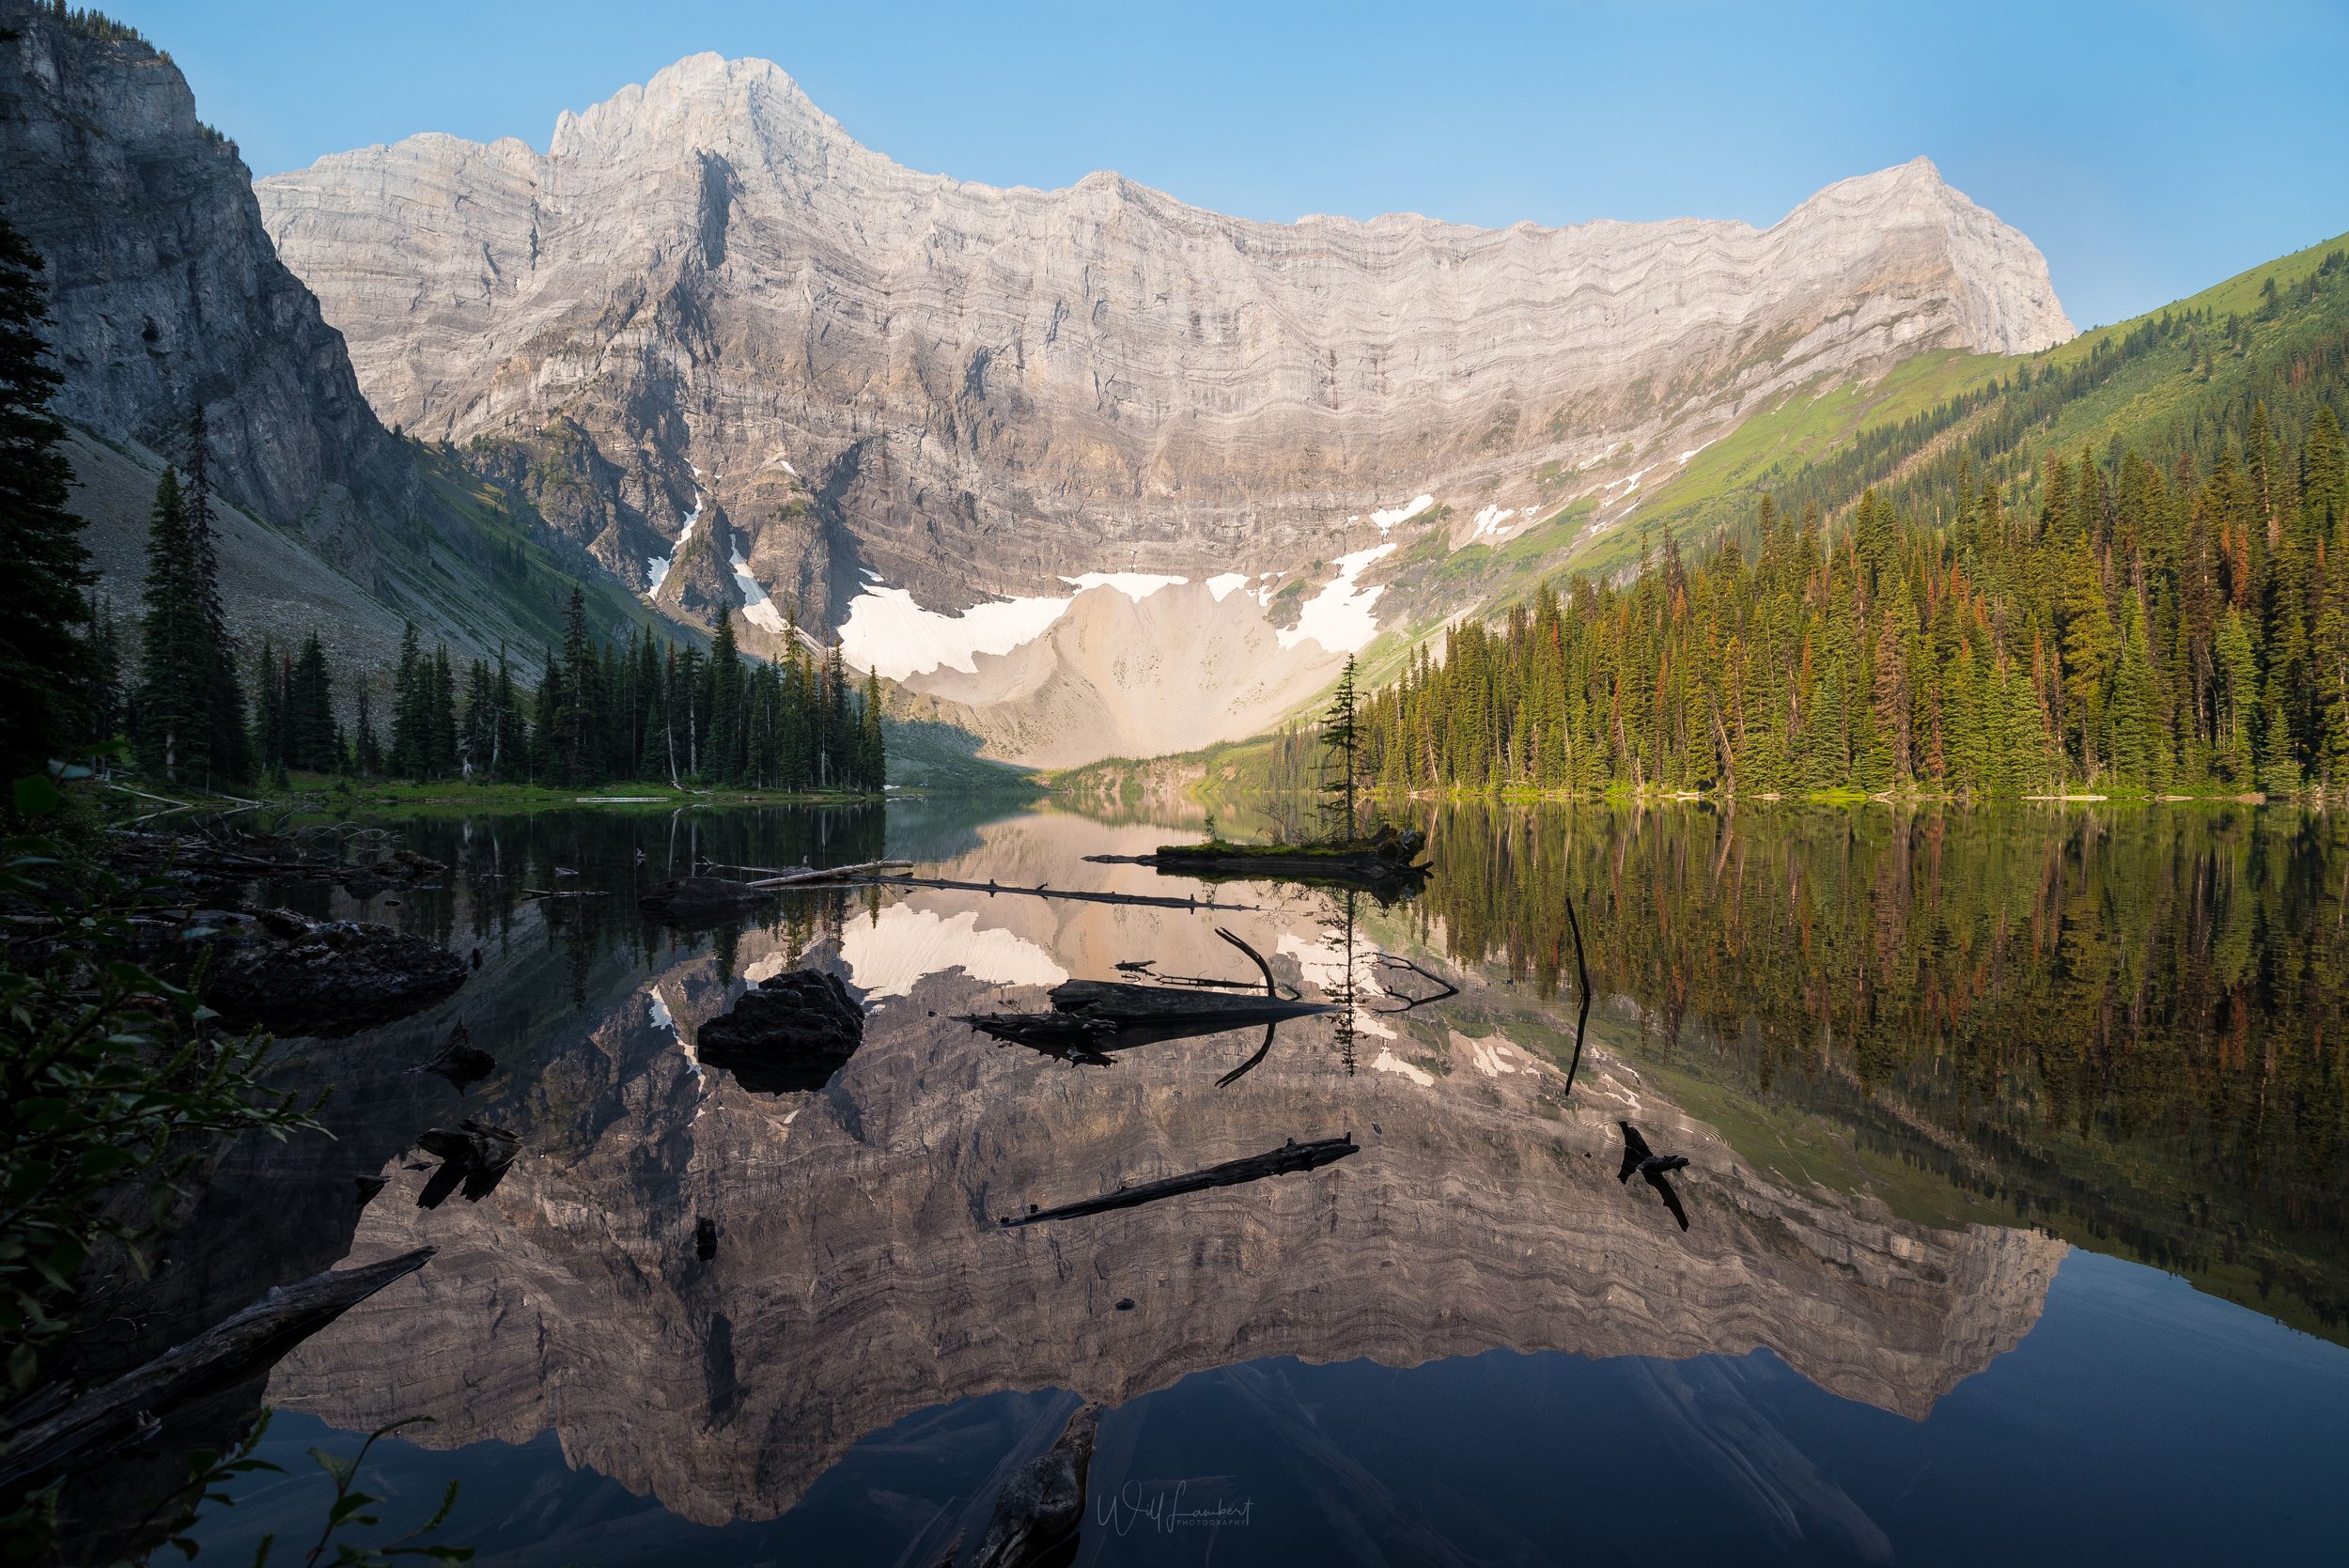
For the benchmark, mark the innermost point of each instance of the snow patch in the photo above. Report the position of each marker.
(1487, 1058)
(660, 1011)
(1388, 1061)
(1221, 586)
(1693, 450)
(1489, 521)
(1386, 518)
(657, 568)
(1326, 963)
(1135, 585)
(887, 632)
(901, 945)
(758, 608)
(1339, 616)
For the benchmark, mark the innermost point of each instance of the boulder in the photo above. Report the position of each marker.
(277, 971)
(793, 1030)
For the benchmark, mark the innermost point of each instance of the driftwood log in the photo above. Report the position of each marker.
(1290, 1157)
(828, 874)
(1092, 1018)
(1043, 891)
(119, 1412)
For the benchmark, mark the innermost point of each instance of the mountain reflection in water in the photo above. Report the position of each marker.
(1883, 1041)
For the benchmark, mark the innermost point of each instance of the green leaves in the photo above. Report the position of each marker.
(113, 1082)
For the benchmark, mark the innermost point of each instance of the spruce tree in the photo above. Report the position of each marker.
(45, 674)
(1342, 764)
(174, 690)
(230, 754)
(723, 763)
(310, 711)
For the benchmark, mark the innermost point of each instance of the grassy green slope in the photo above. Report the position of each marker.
(2153, 383)
(2164, 383)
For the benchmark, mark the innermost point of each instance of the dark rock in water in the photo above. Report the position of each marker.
(793, 1032)
(295, 976)
(705, 1239)
(1042, 1506)
(1125, 1303)
(366, 1187)
(702, 900)
(364, 886)
(461, 1062)
(475, 1155)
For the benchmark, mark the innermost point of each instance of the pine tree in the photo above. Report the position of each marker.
(229, 755)
(723, 763)
(175, 713)
(44, 671)
(411, 700)
(1342, 744)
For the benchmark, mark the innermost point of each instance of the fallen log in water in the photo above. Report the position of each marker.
(1130, 1006)
(240, 1347)
(828, 874)
(1045, 891)
(1290, 1157)
(1091, 1017)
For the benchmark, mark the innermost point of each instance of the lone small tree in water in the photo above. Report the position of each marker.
(1341, 745)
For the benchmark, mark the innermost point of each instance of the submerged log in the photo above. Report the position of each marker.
(702, 900)
(1290, 1157)
(222, 1355)
(276, 969)
(792, 1032)
(1042, 1507)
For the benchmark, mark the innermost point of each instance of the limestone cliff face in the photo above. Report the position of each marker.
(164, 289)
(166, 293)
(982, 389)
(860, 1276)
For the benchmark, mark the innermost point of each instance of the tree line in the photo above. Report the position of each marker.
(646, 708)
(197, 712)
(2137, 630)
(2035, 992)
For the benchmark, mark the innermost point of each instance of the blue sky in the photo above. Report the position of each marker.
(2150, 149)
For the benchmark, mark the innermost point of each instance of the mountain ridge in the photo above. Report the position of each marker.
(705, 301)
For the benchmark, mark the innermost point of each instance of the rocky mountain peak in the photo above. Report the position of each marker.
(865, 380)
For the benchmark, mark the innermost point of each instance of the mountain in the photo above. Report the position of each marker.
(747, 362)
(166, 293)
(860, 1276)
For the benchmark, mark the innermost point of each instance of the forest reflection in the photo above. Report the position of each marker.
(2125, 1024)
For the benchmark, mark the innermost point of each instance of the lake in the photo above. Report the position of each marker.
(2017, 1143)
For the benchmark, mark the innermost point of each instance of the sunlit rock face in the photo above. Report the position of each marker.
(861, 1274)
(707, 299)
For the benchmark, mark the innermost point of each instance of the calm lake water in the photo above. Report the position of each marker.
(2018, 1148)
